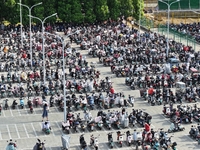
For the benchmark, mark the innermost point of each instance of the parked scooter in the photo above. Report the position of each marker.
(128, 138)
(119, 138)
(94, 142)
(110, 140)
(194, 132)
(11, 145)
(39, 145)
(51, 101)
(0, 108)
(5, 104)
(21, 103)
(30, 105)
(156, 144)
(100, 124)
(83, 142)
(91, 125)
(14, 104)
(175, 128)
(131, 100)
(46, 128)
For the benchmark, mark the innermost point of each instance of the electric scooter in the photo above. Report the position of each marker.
(128, 138)
(5, 104)
(110, 140)
(94, 142)
(119, 138)
(11, 145)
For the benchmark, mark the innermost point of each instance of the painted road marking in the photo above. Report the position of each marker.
(11, 112)
(59, 127)
(26, 110)
(17, 131)
(34, 130)
(26, 130)
(42, 129)
(18, 109)
(8, 131)
(0, 136)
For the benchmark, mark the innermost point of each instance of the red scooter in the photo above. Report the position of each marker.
(119, 138)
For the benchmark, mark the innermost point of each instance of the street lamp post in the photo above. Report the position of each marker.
(29, 9)
(43, 21)
(139, 18)
(168, 17)
(63, 59)
(21, 22)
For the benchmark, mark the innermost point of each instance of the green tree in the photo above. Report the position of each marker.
(37, 11)
(77, 16)
(127, 7)
(114, 8)
(49, 9)
(88, 11)
(138, 8)
(64, 11)
(101, 10)
(3, 10)
(10, 3)
(11, 11)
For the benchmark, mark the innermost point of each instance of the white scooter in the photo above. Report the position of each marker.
(119, 138)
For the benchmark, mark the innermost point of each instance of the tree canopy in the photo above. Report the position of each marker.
(71, 11)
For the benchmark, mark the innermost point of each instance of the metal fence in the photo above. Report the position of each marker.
(178, 36)
(182, 4)
(146, 23)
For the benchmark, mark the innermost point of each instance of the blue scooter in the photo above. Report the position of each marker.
(21, 103)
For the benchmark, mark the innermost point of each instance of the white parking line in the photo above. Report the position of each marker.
(0, 136)
(59, 127)
(152, 126)
(34, 129)
(52, 130)
(25, 130)
(18, 109)
(17, 131)
(41, 129)
(167, 119)
(2, 112)
(8, 131)
(11, 111)
(26, 110)
(56, 108)
(105, 130)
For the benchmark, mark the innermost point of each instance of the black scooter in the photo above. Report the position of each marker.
(39, 145)
(14, 104)
(110, 140)
(82, 142)
(5, 104)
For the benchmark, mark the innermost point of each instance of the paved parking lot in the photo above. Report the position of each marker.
(24, 127)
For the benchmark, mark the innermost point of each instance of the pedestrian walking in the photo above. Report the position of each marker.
(45, 112)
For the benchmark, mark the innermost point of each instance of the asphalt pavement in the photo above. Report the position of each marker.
(25, 128)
